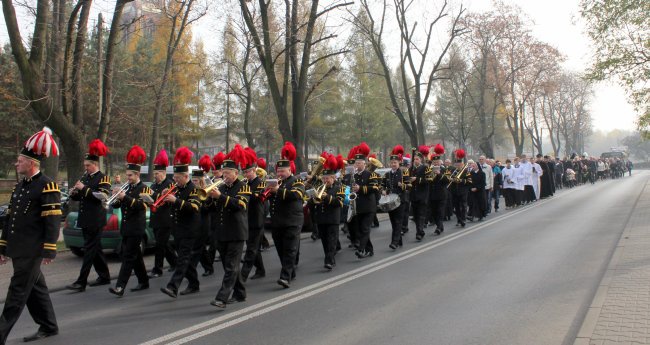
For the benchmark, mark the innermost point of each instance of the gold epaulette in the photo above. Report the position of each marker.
(194, 192)
(51, 210)
(106, 180)
(245, 189)
(147, 190)
(51, 187)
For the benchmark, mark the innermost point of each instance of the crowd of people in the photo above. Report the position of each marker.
(219, 212)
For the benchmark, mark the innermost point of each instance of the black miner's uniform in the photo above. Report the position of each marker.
(161, 222)
(366, 207)
(92, 219)
(256, 213)
(29, 236)
(393, 184)
(419, 197)
(186, 231)
(459, 188)
(327, 214)
(134, 221)
(287, 218)
(233, 232)
(438, 198)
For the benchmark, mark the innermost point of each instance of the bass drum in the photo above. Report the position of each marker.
(389, 202)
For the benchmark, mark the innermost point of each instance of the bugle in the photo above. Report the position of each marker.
(110, 201)
(203, 193)
(161, 199)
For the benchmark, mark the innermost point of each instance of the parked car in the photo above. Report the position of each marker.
(3, 215)
(111, 237)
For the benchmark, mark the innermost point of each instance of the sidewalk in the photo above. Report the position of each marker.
(620, 311)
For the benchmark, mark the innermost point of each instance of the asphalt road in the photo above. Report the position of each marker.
(524, 276)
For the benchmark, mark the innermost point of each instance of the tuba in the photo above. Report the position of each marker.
(374, 164)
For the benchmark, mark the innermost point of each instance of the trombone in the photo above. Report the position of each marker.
(161, 199)
(110, 201)
(456, 175)
(203, 193)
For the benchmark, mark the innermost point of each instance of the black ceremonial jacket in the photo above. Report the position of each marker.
(134, 210)
(438, 185)
(286, 204)
(163, 216)
(233, 219)
(92, 213)
(420, 191)
(255, 205)
(185, 211)
(328, 211)
(391, 183)
(367, 196)
(34, 217)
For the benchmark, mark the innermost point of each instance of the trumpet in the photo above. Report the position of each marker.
(267, 192)
(74, 191)
(110, 201)
(161, 199)
(203, 193)
(318, 195)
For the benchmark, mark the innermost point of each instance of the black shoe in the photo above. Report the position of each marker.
(189, 291)
(462, 225)
(437, 232)
(153, 275)
(418, 237)
(140, 287)
(171, 269)
(118, 291)
(328, 266)
(100, 282)
(39, 335)
(471, 219)
(405, 231)
(314, 237)
(208, 273)
(392, 246)
(458, 224)
(168, 292)
(363, 254)
(76, 287)
(258, 275)
(283, 283)
(233, 300)
(219, 304)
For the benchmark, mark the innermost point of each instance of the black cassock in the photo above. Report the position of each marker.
(546, 188)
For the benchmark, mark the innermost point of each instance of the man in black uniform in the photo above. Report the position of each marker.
(393, 183)
(327, 209)
(185, 210)
(217, 174)
(460, 180)
(160, 218)
(29, 239)
(253, 257)
(134, 221)
(286, 213)
(438, 190)
(92, 217)
(366, 185)
(232, 198)
(202, 254)
(346, 181)
(404, 166)
(420, 191)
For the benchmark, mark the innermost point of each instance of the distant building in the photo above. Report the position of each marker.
(140, 17)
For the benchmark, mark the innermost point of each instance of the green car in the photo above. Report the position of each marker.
(111, 236)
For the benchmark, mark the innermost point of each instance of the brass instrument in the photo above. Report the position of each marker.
(456, 175)
(161, 199)
(267, 192)
(318, 196)
(113, 198)
(203, 193)
(374, 164)
(74, 191)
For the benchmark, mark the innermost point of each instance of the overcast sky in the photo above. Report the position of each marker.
(556, 22)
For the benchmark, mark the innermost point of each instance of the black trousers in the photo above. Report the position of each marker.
(396, 217)
(437, 208)
(93, 256)
(287, 241)
(205, 258)
(329, 238)
(132, 261)
(519, 197)
(508, 195)
(232, 283)
(460, 206)
(405, 216)
(529, 193)
(164, 249)
(27, 288)
(362, 223)
(353, 231)
(185, 268)
(253, 256)
(419, 216)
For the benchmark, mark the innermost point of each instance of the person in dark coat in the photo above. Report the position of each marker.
(160, 218)
(476, 198)
(92, 217)
(29, 239)
(256, 215)
(420, 174)
(393, 183)
(460, 180)
(438, 190)
(134, 221)
(366, 186)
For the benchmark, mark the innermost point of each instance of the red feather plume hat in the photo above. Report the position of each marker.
(340, 162)
(135, 158)
(351, 154)
(182, 160)
(459, 154)
(217, 160)
(161, 162)
(205, 165)
(397, 153)
(438, 150)
(288, 154)
(423, 151)
(251, 159)
(331, 164)
(261, 163)
(96, 149)
(40, 145)
(236, 158)
(363, 150)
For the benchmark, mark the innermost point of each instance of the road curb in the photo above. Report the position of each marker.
(590, 321)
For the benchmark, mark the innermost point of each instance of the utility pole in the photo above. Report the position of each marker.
(100, 68)
(228, 110)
